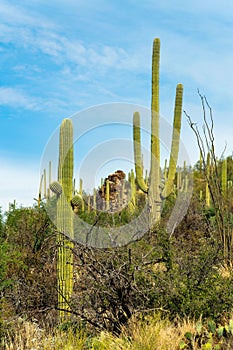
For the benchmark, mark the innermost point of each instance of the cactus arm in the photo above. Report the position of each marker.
(175, 142)
(137, 153)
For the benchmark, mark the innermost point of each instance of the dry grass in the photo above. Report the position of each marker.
(29, 336)
(225, 270)
(150, 334)
(153, 333)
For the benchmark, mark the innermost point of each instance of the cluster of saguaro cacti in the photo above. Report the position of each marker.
(63, 188)
(214, 175)
(43, 181)
(153, 189)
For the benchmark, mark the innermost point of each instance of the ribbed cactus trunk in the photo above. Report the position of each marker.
(155, 196)
(65, 220)
(154, 177)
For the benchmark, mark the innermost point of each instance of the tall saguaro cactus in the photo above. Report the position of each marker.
(155, 194)
(65, 219)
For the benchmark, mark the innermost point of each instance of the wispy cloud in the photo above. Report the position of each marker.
(15, 98)
(17, 16)
(24, 33)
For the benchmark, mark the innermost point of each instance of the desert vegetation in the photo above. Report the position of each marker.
(170, 288)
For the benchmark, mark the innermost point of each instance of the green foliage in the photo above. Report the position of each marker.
(28, 263)
(208, 335)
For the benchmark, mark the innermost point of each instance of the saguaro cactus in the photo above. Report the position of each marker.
(155, 193)
(107, 196)
(207, 190)
(224, 176)
(65, 219)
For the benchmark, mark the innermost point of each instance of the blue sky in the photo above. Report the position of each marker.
(62, 57)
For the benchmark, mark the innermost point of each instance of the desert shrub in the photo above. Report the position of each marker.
(178, 275)
(30, 258)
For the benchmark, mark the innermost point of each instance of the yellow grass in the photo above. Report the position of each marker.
(29, 336)
(153, 333)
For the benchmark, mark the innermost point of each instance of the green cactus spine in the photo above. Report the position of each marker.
(155, 195)
(65, 219)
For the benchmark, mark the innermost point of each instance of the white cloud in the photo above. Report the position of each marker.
(203, 8)
(17, 15)
(18, 182)
(17, 98)
(37, 34)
